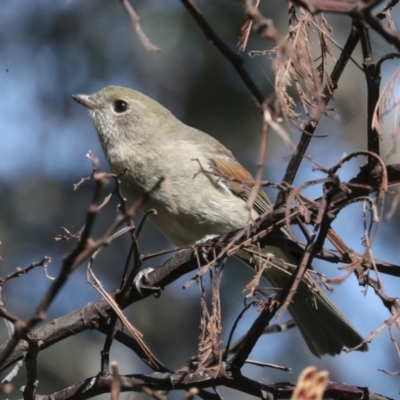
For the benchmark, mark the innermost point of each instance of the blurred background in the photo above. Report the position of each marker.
(52, 49)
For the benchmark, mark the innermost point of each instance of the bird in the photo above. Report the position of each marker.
(145, 140)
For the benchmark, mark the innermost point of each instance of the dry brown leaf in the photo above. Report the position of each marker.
(245, 30)
(294, 65)
(210, 343)
(386, 104)
(311, 384)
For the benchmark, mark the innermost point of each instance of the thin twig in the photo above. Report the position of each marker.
(136, 24)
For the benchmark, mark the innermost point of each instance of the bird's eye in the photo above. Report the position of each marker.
(120, 106)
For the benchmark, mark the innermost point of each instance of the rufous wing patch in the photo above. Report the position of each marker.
(239, 181)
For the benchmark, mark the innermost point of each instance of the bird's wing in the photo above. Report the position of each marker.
(239, 181)
(323, 326)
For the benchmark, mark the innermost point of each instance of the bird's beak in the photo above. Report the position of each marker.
(85, 100)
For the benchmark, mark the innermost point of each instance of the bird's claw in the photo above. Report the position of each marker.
(141, 281)
(205, 252)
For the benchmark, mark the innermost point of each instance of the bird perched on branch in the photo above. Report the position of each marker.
(142, 138)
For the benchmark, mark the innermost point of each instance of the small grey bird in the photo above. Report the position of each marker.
(143, 138)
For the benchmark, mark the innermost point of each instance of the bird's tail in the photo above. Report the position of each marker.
(324, 328)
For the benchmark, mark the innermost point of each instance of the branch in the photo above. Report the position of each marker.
(312, 124)
(229, 54)
(97, 385)
(187, 260)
